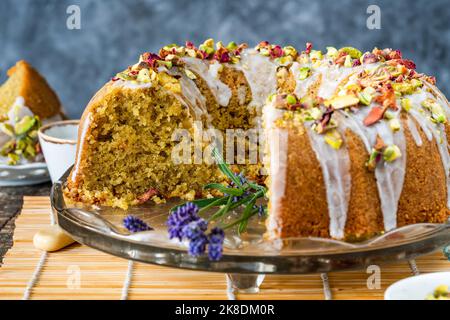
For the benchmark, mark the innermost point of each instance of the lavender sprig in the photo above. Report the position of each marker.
(185, 223)
(134, 224)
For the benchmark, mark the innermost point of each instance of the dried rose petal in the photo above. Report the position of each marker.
(276, 52)
(263, 44)
(308, 47)
(387, 98)
(379, 143)
(143, 198)
(375, 114)
(370, 58)
(356, 63)
(394, 55)
(190, 45)
(408, 63)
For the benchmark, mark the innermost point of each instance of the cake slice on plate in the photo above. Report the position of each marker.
(26, 100)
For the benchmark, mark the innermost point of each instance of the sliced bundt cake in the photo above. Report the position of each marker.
(26, 99)
(355, 144)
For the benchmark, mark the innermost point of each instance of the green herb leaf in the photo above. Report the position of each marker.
(225, 168)
(223, 189)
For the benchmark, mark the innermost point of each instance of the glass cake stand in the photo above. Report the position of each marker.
(246, 258)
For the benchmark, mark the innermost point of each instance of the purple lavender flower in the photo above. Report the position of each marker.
(194, 229)
(215, 247)
(181, 217)
(134, 224)
(197, 246)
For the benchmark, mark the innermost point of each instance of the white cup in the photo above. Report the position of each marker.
(59, 143)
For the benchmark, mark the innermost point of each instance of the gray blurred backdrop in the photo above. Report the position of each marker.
(114, 32)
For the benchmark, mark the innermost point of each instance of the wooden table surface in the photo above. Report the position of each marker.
(11, 200)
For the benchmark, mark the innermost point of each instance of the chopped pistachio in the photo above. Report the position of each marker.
(394, 124)
(24, 125)
(332, 52)
(352, 52)
(124, 76)
(290, 99)
(388, 115)
(316, 55)
(190, 74)
(348, 62)
(143, 75)
(334, 139)
(364, 98)
(304, 73)
(406, 104)
(341, 102)
(290, 51)
(232, 45)
(13, 158)
(391, 153)
(441, 290)
(416, 83)
(315, 113)
(7, 129)
(373, 160)
(271, 97)
(404, 88)
(437, 113)
(167, 64)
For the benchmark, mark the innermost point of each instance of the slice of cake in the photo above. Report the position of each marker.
(26, 100)
(355, 144)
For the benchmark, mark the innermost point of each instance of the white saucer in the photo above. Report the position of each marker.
(23, 174)
(417, 287)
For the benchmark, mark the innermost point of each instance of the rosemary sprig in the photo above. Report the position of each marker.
(239, 193)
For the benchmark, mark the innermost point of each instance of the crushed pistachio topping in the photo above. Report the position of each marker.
(334, 139)
(170, 56)
(382, 152)
(23, 139)
(436, 110)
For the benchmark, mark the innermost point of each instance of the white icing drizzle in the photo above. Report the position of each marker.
(389, 176)
(133, 85)
(261, 75)
(191, 95)
(209, 73)
(335, 166)
(414, 132)
(276, 162)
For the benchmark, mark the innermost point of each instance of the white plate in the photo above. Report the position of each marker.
(23, 174)
(418, 287)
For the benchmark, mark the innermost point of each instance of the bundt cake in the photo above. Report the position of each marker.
(26, 100)
(354, 144)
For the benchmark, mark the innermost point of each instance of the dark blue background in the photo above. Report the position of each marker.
(114, 32)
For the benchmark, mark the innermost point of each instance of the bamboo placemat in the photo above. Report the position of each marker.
(79, 272)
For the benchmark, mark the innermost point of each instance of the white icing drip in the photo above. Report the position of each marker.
(335, 166)
(133, 85)
(82, 131)
(221, 91)
(261, 75)
(414, 132)
(191, 95)
(389, 176)
(332, 76)
(277, 158)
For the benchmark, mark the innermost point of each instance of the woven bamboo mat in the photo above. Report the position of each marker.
(79, 272)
